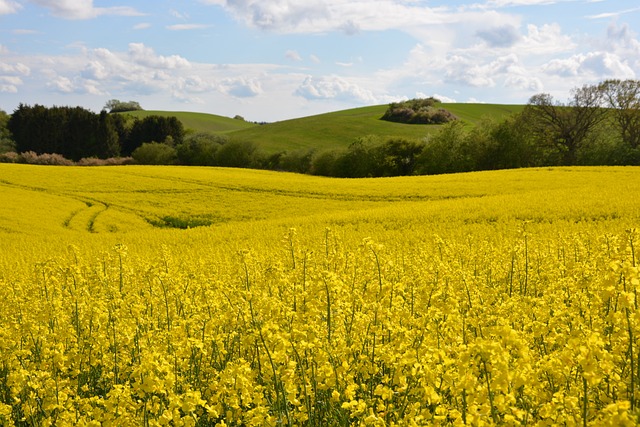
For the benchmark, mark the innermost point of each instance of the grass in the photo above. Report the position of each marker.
(330, 130)
(341, 128)
(200, 122)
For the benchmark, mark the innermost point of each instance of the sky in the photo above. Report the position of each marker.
(270, 60)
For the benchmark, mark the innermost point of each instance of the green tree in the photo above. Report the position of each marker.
(444, 152)
(199, 149)
(399, 156)
(155, 153)
(623, 96)
(7, 143)
(153, 128)
(117, 106)
(566, 127)
(237, 154)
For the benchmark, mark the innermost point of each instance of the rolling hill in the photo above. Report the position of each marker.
(199, 122)
(329, 130)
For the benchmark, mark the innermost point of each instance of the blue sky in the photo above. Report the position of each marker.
(271, 60)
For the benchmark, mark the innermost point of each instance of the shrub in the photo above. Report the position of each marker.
(325, 163)
(238, 154)
(297, 161)
(9, 157)
(111, 161)
(52, 159)
(418, 111)
(155, 153)
(199, 149)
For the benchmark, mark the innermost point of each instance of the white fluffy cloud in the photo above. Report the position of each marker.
(82, 9)
(8, 6)
(11, 73)
(351, 17)
(335, 88)
(242, 87)
(593, 66)
(186, 27)
(143, 55)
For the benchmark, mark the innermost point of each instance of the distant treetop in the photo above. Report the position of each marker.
(418, 111)
(117, 106)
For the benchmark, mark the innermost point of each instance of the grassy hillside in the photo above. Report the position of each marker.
(326, 131)
(199, 122)
(341, 128)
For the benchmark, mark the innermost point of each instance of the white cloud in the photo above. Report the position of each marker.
(501, 36)
(242, 87)
(352, 17)
(293, 55)
(8, 6)
(545, 40)
(142, 26)
(143, 55)
(609, 15)
(508, 3)
(179, 15)
(14, 69)
(442, 98)
(8, 88)
(526, 83)
(83, 9)
(194, 84)
(186, 27)
(62, 84)
(593, 66)
(23, 32)
(334, 87)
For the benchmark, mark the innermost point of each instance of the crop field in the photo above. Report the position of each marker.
(185, 296)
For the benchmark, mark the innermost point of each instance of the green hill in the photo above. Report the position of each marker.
(199, 122)
(329, 130)
(341, 128)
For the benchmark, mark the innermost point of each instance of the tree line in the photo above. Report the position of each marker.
(598, 125)
(76, 133)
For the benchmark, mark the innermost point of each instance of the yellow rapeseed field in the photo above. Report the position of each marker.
(153, 296)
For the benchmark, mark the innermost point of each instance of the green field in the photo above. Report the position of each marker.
(331, 130)
(199, 122)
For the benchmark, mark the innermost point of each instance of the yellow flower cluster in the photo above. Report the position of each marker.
(522, 330)
(497, 298)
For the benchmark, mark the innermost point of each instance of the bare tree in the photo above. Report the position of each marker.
(566, 126)
(623, 96)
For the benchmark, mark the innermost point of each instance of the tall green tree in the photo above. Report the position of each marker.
(6, 140)
(623, 96)
(153, 128)
(566, 127)
(74, 133)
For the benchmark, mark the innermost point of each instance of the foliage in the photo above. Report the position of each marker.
(73, 133)
(239, 154)
(418, 111)
(155, 153)
(194, 122)
(566, 127)
(6, 141)
(492, 298)
(153, 128)
(624, 98)
(117, 106)
(200, 149)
